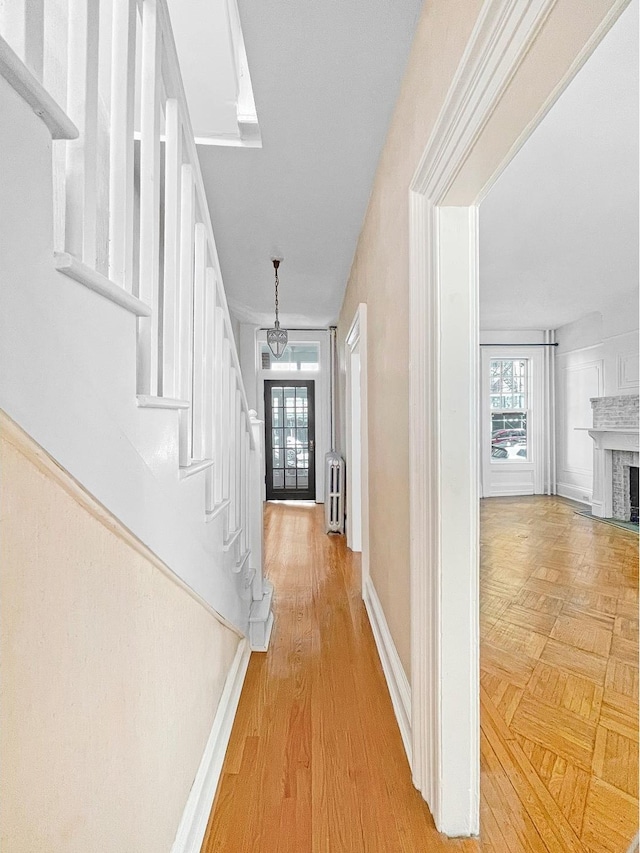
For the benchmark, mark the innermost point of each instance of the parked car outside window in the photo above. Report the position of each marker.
(502, 451)
(508, 437)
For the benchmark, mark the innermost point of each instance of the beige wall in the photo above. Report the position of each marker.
(380, 271)
(110, 672)
(379, 276)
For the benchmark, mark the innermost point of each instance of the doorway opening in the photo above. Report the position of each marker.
(290, 440)
(469, 146)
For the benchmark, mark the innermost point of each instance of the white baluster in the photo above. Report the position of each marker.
(242, 466)
(148, 328)
(219, 402)
(185, 339)
(173, 163)
(199, 323)
(56, 31)
(246, 484)
(82, 153)
(231, 455)
(22, 26)
(209, 383)
(237, 458)
(226, 419)
(121, 186)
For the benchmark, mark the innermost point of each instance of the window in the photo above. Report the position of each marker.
(304, 356)
(509, 403)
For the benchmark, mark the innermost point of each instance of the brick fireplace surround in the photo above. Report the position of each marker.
(615, 435)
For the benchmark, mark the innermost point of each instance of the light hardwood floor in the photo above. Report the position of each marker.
(316, 763)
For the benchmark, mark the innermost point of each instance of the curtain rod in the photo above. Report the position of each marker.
(289, 329)
(519, 345)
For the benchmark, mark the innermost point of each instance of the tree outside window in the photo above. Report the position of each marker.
(509, 403)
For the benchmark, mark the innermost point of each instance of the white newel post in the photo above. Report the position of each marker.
(261, 617)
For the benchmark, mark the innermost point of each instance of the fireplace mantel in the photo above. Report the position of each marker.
(615, 438)
(606, 440)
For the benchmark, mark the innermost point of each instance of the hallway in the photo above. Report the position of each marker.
(315, 761)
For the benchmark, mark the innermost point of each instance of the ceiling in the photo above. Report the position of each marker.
(325, 79)
(559, 229)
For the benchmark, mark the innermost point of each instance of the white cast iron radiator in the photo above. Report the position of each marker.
(334, 493)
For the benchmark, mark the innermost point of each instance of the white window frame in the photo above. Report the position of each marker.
(534, 463)
(526, 409)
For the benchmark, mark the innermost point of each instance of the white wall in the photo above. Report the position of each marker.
(68, 378)
(597, 356)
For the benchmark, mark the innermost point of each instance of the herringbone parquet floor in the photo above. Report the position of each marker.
(559, 669)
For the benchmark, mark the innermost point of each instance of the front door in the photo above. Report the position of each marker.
(290, 440)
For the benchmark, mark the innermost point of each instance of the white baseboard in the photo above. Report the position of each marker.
(394, 673)
(195, 817)
(524, 491)
(574, 493)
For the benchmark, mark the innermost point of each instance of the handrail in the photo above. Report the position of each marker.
(132, 223)
(29, 87)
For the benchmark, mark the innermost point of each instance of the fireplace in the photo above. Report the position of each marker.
(615, 435)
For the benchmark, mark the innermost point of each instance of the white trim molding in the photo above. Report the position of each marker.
(575, 493)
(444, 381)
(627, 364)
(356, 341)
(394, 673)
(195, 817)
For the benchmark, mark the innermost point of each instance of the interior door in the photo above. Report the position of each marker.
(290, 439)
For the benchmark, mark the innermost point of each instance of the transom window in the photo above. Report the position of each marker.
(303, 356)
(509, 403)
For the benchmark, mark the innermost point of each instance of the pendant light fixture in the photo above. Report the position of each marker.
(277, 338)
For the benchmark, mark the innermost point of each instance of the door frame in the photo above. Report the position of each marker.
(530, 53)
(323, 401)
(356, 344)
(288, 494)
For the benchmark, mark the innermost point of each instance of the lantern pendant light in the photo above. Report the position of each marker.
(277, 338)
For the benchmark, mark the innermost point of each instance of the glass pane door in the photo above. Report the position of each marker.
(290, 440)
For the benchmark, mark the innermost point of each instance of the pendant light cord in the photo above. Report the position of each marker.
(276, 264)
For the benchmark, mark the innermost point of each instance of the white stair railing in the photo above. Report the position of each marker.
(131, 221)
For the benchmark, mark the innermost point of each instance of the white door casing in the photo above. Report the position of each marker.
(443, 418)
(354, 516)
(357, 462)
(322, 394)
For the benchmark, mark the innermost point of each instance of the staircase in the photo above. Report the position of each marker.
(118, 355)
